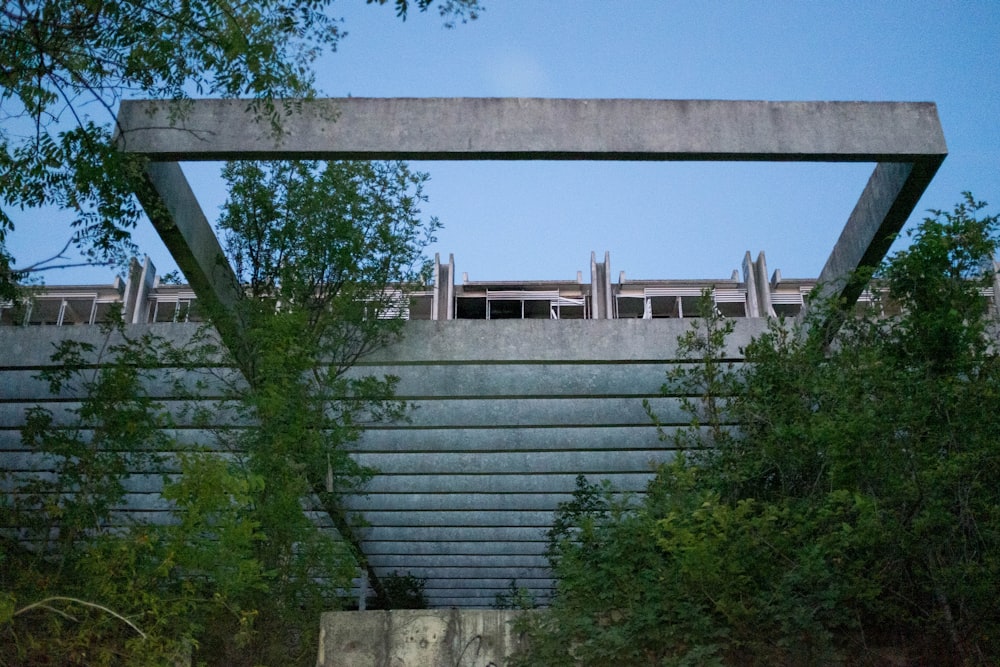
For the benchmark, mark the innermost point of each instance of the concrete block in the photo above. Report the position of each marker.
(416, 638)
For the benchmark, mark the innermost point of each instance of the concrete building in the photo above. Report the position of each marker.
(518, 388)
(508, 412)
(145, 299)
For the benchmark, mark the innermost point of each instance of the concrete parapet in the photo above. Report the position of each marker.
(417, 638)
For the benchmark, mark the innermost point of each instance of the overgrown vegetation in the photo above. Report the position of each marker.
(852, 516)
(327, 253)
(56, 542)
(515, 597)
(402, 591)
(233, 578)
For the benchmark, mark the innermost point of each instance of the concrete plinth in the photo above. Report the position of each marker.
(416, 638)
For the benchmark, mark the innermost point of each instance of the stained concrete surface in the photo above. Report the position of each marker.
(417, 638)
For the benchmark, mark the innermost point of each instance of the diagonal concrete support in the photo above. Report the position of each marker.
(180, 222)
(888, 199)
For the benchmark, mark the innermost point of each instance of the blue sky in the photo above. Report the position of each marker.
(533, 220)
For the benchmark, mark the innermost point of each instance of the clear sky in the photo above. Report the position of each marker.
(535, 220)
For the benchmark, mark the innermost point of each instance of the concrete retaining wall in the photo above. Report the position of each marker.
(506, 414)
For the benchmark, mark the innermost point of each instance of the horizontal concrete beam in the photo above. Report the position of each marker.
(502, 483)
(477, 603)
(449, 380)
(486, 413)
(525, 128)
(526, 463)
(563, 438)
(454, 573)
(453, 548)
(427, 440)
(499, 412)
(503, 560)
(35, 350)
(540, 341)
(458, 518)
(158, 384)
(454, 501)
(400, 509)
(451, 534)
(538, 587)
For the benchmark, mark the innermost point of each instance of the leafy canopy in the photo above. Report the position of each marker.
(328, 253)
(830, 504)
(65, 65)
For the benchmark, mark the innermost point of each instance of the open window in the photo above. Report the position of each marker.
(421, 305)
(172, 308)
(533, 305)
(677, 301)
(520, 305)
(787, 303)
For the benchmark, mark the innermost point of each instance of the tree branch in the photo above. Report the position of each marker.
(40, 265)
(44, 604)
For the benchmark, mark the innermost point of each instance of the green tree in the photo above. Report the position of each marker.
(328, 253)
(851, 518)
(141, 593)
(65, 65)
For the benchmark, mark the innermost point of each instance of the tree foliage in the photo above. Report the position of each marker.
(57, 545)
(852, 518)
(328, 253)
(65, 65)
(240, 576)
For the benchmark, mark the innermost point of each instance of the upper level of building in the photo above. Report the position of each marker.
(749, 293)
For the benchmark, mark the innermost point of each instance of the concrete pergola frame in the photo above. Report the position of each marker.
(904, 139)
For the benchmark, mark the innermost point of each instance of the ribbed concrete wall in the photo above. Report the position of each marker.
(506, 415)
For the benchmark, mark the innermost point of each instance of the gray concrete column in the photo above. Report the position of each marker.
(601, 307)
(763, 286)
(146, 280)
(750, 280)
(133, 286)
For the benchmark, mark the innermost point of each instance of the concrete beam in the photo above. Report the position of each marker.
(175, 213)
(455, 501)
(502, 483)
(434, 561)
(467, 587)
(500, 412)
(904, 139)
(522, 463)
(533, 129)
(453, 534)
(431, 441)
(888, 199)
(454, 548)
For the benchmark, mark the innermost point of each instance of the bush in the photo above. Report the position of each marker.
(853, 517)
